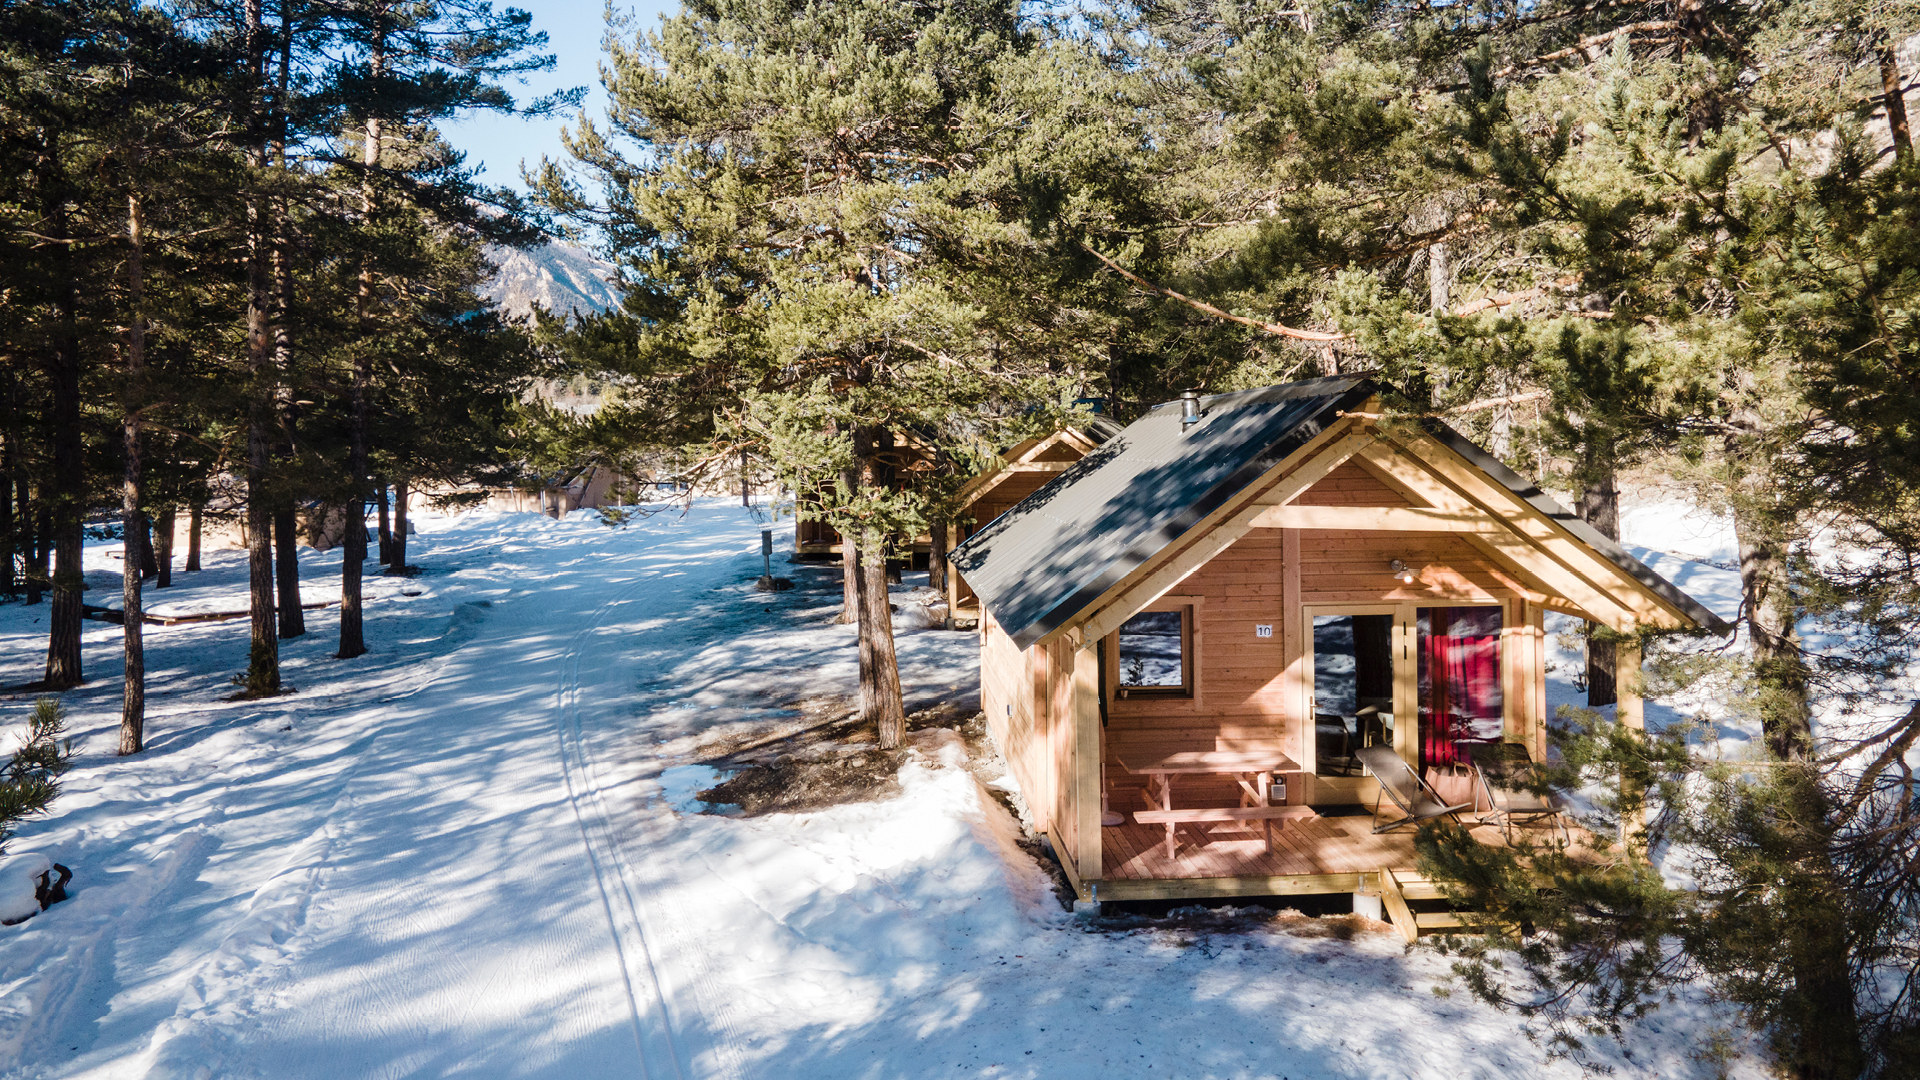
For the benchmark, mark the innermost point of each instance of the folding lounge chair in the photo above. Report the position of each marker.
(1501, 771)
(1414, 796)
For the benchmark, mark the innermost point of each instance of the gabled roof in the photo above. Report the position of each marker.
(1573, 523)
(1040, 563)
(1076, 439)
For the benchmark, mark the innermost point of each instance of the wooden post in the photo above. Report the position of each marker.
(1537, 632)
(1513, 713)
(1296, 680)
(1087, 756)
(1630, 711)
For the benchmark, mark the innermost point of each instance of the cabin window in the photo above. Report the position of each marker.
(1155, 653)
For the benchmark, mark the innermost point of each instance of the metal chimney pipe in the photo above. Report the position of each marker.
(1189, 409)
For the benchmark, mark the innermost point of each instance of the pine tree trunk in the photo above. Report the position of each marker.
(352, 566)
(9, 461)
(1440, 277)
(263, 660)
(1896, 103)
(1600, 508)
(1824, 1042)
(163, 525)
(746, 482)
(849, 579)
(880, 698)
(385, 522)
(853, 582)
(400, 493)
(286, 564)
(149, 564)
(293, 622)
(263, 664)
(353, 563)
(937, 557)
(133, 520)
(133, 697)
(39, 543)
(1780, 671)
(67, 503)
(193, 538)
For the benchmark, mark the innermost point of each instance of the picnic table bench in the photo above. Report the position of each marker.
(1252, 769)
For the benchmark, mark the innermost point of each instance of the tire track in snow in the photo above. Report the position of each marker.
(655, 987)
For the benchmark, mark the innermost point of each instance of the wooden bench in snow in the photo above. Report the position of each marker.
(1252, 769)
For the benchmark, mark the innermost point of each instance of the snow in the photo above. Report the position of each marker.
(478, 850)
(19, 885)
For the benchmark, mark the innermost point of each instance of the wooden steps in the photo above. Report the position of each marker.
(1400, 890)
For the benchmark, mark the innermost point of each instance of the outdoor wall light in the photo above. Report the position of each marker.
(1401, 571)
(1189, 409)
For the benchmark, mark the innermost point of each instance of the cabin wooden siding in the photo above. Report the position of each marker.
(1007, 683)
(1042, 708)
(1350, 567)
(1351, 485)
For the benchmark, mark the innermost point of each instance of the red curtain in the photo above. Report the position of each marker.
(1463, 683)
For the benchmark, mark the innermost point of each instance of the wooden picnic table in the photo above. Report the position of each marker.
(1252, 769)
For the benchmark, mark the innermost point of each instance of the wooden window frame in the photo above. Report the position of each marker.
(1189, 690)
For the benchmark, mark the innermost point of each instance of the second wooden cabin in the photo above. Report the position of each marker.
(1277, 578)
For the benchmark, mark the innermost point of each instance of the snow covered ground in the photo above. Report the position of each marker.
(474, 852)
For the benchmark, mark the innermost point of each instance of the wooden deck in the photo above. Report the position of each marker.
(1311, 854)
(1303, 844)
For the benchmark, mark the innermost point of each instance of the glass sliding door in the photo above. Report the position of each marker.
(1460, 696)
(1352, 689)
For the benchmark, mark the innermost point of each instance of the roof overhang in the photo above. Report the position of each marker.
(1566, 564)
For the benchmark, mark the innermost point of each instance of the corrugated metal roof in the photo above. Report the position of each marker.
(1041, 562)
(1099, 429)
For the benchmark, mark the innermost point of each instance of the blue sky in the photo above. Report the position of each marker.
(574, 29)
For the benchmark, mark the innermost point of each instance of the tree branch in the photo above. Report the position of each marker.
(1276, 329)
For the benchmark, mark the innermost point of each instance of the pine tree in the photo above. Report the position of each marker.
(413, 64)
(823, 276)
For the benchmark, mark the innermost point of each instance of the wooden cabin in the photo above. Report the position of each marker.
(1266, 587)
(905, 453)
(1023, 470)
(1020, 471)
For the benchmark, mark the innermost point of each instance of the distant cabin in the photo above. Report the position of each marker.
(1020, 470)
(1023, 469)
(905, 453)
(1276, 582)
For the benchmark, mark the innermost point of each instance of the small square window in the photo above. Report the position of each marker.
(1156, 653)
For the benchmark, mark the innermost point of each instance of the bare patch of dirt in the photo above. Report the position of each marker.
(824, 757)
(813, 783)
